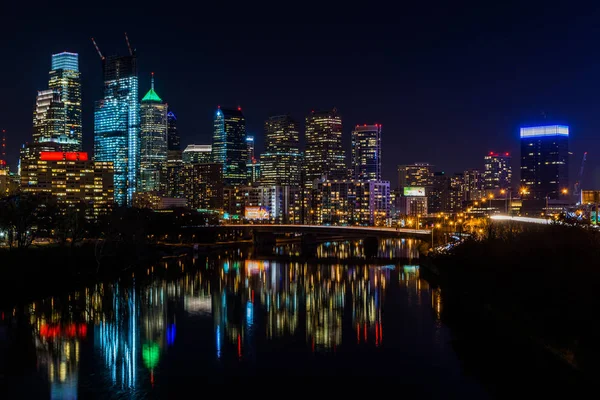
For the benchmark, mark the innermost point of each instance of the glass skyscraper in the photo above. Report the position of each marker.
(229, 145)
(117, 124)
(48, 117)
(174, 141)
(544, 161)
(65, 79)
(366, 152)
(280, 164)
(153, 143)
(324, 155)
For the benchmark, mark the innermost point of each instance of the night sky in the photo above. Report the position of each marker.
(449, 84)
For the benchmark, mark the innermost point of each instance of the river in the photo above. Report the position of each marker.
(232, 317)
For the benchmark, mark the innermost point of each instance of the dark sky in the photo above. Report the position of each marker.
(448, 83)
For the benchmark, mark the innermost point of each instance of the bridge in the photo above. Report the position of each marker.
(360, 231)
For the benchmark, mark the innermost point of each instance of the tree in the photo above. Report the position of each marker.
(18, 217)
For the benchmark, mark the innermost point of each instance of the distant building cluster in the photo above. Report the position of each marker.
(138, 161)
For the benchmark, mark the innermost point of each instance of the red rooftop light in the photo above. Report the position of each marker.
(66, 156)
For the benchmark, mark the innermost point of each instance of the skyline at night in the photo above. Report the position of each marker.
(442, 96)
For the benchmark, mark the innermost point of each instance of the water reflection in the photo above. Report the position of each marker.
(248, 305)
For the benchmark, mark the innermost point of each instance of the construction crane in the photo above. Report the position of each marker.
(128, 45)
(577, 186)
(98, 49)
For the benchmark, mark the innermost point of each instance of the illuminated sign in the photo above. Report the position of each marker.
(256, 213)
(60, 156)
(414, 191)
(542, 131)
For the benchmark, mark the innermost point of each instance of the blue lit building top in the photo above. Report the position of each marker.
(65, 60)
(544, 131)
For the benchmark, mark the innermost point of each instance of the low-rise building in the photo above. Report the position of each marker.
(70, 178)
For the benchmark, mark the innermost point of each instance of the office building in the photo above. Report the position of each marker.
(324, 155)
(174, 141)
(352, 202)
(413, 202)
(197, 154)
(366, 152)
(544, 161)
(153, 143)
(281, 161)
(250, 147)
(419, 175)
(253, 171)
(70, 178)
(49, 118)
(229, 145)
(65, 79)
(175, 178)
(117, 124)
(203, 186)
(497, 172)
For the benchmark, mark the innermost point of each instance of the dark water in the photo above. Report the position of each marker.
(232, 318)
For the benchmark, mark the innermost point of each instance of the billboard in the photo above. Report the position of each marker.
(412, 191)
(256, 213)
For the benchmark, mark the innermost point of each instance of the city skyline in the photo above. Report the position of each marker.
(402, 105)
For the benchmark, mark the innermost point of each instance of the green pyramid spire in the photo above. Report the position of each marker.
(151, 95)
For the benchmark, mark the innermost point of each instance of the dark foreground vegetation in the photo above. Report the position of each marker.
(535, 283)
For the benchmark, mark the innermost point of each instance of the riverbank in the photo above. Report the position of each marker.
(41, 271)
(534, 285)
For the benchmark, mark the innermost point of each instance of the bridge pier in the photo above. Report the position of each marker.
(263, 242)
(309, 244)
(371, 245)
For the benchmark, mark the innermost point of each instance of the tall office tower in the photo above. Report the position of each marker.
(366, 152)
(497, 172)
(544, 160)
(250, 147)
(197, 154)
(153, 143)
(419, 175)
(324, 155)
(229, 145)
(172, 134)
(65, 79)
(281, 163)
(117, 124)
(48, 118)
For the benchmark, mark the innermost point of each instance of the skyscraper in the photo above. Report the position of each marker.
(48, 117)
(544, 160)
(117, 124)
(65, 79)
(280, 164)
(324, 153)
(366, 152)
(250, 147)
(229, 145)
(153, 142)
(497, 172)
(173, 135)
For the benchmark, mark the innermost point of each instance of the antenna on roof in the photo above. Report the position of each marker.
(128, 45)
(97, 49)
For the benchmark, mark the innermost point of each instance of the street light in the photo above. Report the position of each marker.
(432, 226)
